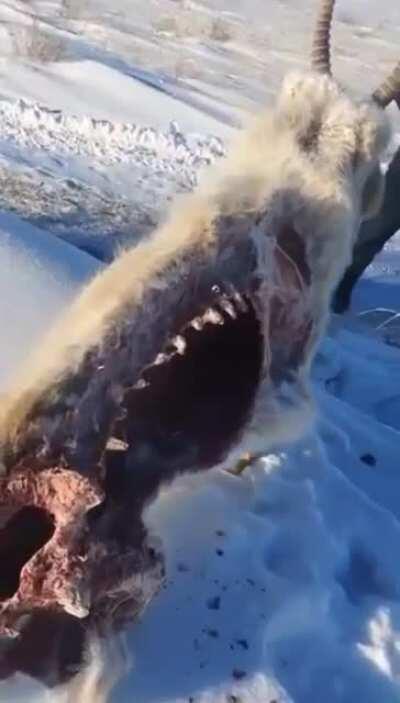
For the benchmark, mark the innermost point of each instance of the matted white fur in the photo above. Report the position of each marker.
(106, 660)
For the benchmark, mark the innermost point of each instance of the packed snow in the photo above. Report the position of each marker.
(283, 585)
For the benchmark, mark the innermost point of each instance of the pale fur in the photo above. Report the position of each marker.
(107, 660)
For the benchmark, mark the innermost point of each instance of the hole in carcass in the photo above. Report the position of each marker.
(192, 403)
(50, 648)
(21, 537)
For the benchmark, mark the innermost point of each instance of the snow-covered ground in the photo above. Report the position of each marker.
(282, 585)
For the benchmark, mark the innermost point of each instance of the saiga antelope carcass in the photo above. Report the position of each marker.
(190, 348)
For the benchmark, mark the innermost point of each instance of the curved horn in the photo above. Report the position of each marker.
(388, 90)
(320, 53)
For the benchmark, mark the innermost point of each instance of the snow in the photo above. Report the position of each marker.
(289, 574)
(39, 275)
(77, 85)
(282, 585)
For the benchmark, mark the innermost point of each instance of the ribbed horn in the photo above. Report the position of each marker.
(388, 90)
(320, 52)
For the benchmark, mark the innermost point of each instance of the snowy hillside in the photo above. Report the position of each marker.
(283, 585)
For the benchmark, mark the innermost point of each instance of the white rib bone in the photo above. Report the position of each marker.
(213, 316)
(179, 343)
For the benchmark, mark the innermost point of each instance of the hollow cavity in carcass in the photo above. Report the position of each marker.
(26, 531)
(192, 403)
(50, 648)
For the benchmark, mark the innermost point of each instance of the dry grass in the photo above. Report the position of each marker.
(32, 42)
(188, 22)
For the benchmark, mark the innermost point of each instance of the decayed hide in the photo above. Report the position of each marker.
(190, 348)
(373, 236)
